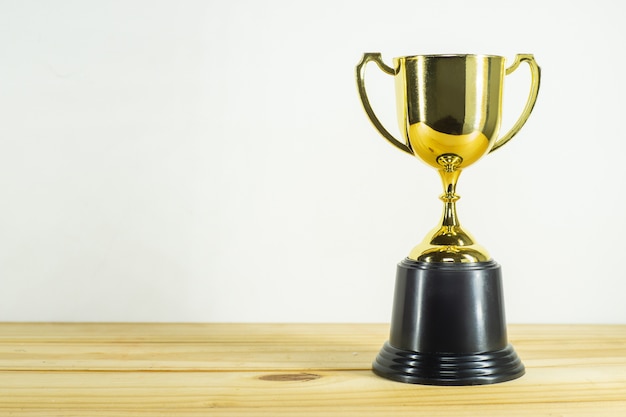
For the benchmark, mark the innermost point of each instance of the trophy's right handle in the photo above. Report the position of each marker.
(535, 74)
(360, 80)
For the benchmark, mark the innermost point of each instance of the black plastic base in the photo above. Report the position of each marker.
(448, 327)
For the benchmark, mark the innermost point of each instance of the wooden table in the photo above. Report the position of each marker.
(289, 369)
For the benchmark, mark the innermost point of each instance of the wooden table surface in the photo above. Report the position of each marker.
(71, 369)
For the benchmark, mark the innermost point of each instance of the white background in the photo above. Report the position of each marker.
(211, 161)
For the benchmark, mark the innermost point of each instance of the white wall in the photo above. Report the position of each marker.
(210, 160)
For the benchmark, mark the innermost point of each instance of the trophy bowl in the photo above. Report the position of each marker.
(448, 325)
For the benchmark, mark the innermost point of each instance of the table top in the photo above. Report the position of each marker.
(134, 369)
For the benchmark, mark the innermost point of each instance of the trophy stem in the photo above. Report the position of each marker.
(449, 197)
(450, 232)
(449, 242)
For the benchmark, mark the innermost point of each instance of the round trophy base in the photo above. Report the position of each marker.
(445, 369)
(448, 326)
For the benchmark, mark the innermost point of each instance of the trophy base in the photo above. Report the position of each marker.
(448, 326)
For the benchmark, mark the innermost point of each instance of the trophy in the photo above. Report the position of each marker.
(448, 325)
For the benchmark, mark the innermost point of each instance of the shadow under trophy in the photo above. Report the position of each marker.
(448, 324)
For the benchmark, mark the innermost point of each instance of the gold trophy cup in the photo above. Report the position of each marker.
(448, 325)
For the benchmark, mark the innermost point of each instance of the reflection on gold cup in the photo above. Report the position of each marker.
(449, 112)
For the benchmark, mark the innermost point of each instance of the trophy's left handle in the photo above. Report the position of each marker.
(535, 77)
(360, 80)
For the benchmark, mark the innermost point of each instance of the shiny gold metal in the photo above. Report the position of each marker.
(449, 112)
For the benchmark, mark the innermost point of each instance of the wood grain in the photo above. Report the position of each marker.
(288, 369)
